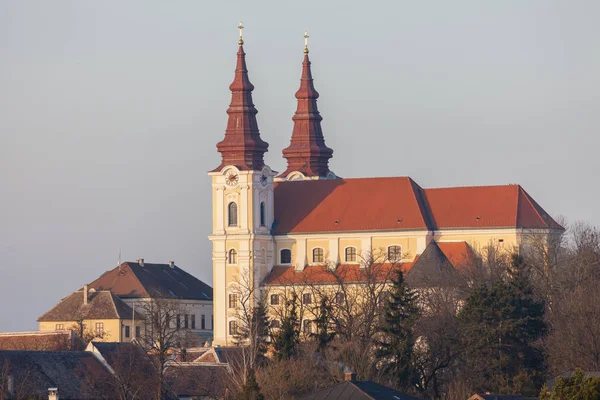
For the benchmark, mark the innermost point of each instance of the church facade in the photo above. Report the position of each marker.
(270, 226)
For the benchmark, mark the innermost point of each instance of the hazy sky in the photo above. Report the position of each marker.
(110, 112)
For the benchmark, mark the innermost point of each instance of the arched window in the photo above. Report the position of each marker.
(318, 256)
(263, 214)
(285, 256)
(232, 214)
(350, 254)
(232, 257)
(394, 253)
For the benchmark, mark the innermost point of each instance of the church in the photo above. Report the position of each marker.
(286, 227)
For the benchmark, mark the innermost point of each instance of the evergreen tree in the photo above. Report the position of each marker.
(285, 341)
(502, 325)
(395, 346)
(324, 335)
(251, 390)
(576, 387)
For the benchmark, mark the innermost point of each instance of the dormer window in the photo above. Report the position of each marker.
(232, 214)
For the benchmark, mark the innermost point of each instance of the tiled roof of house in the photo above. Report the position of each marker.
(101, 305)
(339, 205)
(398, 203)
(319, 274)
(197, 380)
(222, 355)
(433, 268)
(70, 371)
(460, 254)
(359, 390)
(49, 341)
(131, 280)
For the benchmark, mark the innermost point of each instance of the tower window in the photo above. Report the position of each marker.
(394, 253)
(232, 257)
(232, 214)
(350, 254)
(233, 300)
(285, 256)
(233, 328)
(263, 214)
(318, 255)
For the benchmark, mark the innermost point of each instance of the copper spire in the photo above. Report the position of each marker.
(307, 152)
(242, 145)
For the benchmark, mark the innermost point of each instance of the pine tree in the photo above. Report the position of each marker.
(576, 387)
(285, 341)
(502, 325)
(251, 390)
(324, 335)
(395, 347)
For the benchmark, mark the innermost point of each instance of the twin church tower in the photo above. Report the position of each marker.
(243, 188)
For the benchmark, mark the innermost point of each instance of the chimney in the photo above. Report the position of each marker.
(85, 294)
(141, 262)
(52, 393)
(349, 376)
(172, 264)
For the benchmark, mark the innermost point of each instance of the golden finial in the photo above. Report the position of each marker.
(240, 27)
(305, 42)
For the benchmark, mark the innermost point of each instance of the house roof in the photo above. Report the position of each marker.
(398, 203)
(459, 254)
(101, 304)
(195, 379)
(69, 371)
(50, 341)
(287, 275)
(131, 280)
(359, 390)
(491, 396)
(339, 205)
(221, 355)
(433, 268)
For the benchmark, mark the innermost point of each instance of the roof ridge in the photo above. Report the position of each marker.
(423, 208)
(56, 305)
(112, 297)
(473, 186)
(128, 263)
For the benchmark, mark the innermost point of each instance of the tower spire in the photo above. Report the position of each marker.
(242, 145)
(307, 152)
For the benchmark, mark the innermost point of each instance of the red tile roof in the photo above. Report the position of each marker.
(459, 254)
(49, 341)
(364, 204)
(131, 280)
(101, 305)
(320, 274)
(340, 205)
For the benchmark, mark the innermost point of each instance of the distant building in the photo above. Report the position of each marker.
(49, 341)
(358, 390)
(274, 229)
(104, 309)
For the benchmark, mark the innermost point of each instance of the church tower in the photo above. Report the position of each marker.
(242, 198)
(307, 155)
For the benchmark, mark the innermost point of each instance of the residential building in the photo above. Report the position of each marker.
(271, 229)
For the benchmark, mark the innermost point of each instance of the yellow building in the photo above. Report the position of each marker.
(294, 225)
(91, 313)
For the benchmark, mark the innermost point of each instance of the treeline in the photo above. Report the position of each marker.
(510, 321)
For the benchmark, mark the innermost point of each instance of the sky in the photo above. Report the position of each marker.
(110, 112)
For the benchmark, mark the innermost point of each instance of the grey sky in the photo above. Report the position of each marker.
(110, 112)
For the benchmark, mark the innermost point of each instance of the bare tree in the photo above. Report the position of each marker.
(164, 331)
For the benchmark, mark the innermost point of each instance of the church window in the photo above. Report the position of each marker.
(263, 214)
(232, 214)
(274, 299)
(350, 254)
(232, 257)
(306, 298)
(394, 253)
(307, 326)
(233, 299)
(318, 255)
(286, 256)
(233, 328)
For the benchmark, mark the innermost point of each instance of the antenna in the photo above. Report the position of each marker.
(119, 257)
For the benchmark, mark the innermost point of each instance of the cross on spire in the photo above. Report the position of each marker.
(241, 27)
(306, 42)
